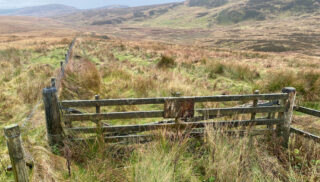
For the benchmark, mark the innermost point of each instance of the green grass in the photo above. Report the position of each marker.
(52, 57)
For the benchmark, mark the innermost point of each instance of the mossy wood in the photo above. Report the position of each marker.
(161, 100)
(149, 127)
(308, 111)
(53, 119)
(172, 109)
(145, 138)
(160, 114)
(16, 153)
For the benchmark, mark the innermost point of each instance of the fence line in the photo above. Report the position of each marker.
(19, 156)
(311, 112)
(181, 109)
(64, 64)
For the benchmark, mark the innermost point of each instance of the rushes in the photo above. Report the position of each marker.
(306, 82)
(234, 70)
(166, 62)
(82, 80)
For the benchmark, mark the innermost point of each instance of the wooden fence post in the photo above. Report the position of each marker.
(255, 104)
(20, 169)
(287, 115)
(53, 120)
(99, 124)
(53, 82)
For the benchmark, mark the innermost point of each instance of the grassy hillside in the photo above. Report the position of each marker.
(193, 54)
(117, 68)
(266, 26)
(151, 69)
(27, 62)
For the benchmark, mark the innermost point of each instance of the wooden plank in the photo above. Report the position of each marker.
(161, 100)
(114, 115)
(158, 114)
(240, 110)
(308, 111)
(111, 139)
(149, 127)
(144, 138)
(305, 134)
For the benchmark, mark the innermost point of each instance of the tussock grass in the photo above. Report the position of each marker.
(82, 80)
(306, 82)
(37, 79)
(143, 85)
(235, 71)
(166, 62)
(216, 157)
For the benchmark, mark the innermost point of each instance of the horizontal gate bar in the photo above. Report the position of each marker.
(149, 127)
(159, 114)
(142, 138)
(305, 134)
(241, 110)
(161, 100)
(308, 111)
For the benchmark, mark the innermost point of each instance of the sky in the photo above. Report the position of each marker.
(81, 4)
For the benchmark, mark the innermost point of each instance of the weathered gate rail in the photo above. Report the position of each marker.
(181, 109)
(307, 111)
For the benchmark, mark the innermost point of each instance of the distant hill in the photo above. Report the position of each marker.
(259, 25)
(40, 11)
(196, 13)
(117, 14)
(19, 24)
(113, 7)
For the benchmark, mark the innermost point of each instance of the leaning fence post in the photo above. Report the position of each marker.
(20, 169)
(287, 115)
(53, 120)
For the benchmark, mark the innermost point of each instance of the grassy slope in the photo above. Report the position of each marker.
(233, 25)
(129, 69)
(27, 61)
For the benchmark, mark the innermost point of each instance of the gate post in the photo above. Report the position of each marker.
(287, 115)
(19, 167)
(53, 120)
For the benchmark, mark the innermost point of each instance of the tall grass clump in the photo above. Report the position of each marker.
(306, 82)
(82, 80)
(166, 62)
(234, 71)
(175, 164)
(142, 85)
(32, 82)
(278, 80)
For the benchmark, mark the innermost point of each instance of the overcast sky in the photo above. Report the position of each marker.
(82, 4)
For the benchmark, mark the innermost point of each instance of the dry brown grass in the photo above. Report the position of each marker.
(82, 80)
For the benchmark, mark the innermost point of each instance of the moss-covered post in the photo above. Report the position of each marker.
(19, 167)
(287, 115)
(53, 120)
